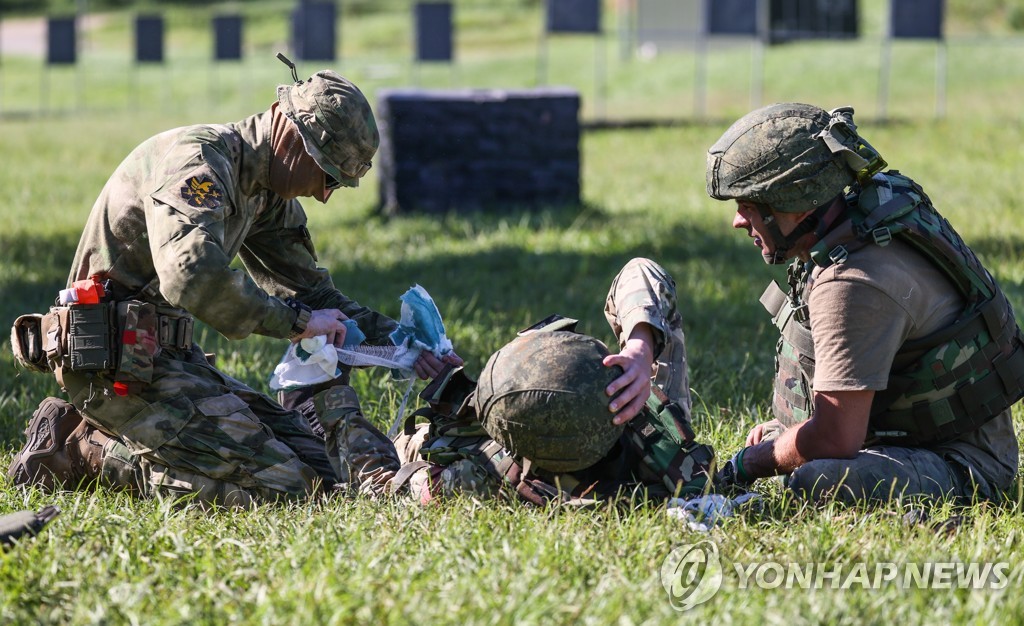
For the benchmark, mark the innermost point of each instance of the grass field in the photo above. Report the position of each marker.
(111, 559)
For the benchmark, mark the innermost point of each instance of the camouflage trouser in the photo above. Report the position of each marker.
(883, 473)
(195, 430)
(644, 292)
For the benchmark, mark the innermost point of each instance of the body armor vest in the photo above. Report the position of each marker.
(940, 386)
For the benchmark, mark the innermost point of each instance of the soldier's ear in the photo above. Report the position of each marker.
(804, 216)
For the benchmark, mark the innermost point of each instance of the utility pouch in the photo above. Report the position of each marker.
(89, 338)
(27, 342)
(138, 339)
(53, 327)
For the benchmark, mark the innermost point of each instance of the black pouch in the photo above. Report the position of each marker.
(27, 342)
(89, 338)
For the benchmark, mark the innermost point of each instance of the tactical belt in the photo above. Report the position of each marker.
(174, 326)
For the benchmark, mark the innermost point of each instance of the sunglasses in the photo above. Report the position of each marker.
(360, 170)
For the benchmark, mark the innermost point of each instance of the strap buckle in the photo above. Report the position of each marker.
(801, 313)
(175, 332)
(184, 335)
(882, 235)
(839, 254)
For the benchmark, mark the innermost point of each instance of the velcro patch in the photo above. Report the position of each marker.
(202, 191)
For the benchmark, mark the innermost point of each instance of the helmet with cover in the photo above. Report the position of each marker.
(542, 397)
(790, 158)
(776, 156)
(336, 124)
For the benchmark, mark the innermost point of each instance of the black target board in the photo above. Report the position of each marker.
(314, 31)
(574, 16)
(731, 17)
(434, 31)
(227, 37)
(916, 19)
(792, 20)
(61, 41)
(149, 39)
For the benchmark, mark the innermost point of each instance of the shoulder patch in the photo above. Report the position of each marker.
(202, 191)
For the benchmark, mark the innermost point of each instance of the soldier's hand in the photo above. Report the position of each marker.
(757, 433)
(630, 391)
(326, 322)
(429, 366)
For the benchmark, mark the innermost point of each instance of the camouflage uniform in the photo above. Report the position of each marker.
(644, 292)
(165, 230)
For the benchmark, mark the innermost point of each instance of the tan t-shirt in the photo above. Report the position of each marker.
(863, 310)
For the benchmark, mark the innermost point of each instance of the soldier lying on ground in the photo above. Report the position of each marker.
(555, 417)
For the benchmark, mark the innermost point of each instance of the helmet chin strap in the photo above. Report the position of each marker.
(780, 243)
(816, 225)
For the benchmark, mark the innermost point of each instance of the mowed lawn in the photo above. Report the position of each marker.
(112, 559)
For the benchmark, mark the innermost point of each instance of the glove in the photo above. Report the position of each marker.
(732, 473)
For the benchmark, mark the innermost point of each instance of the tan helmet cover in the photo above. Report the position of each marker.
(336, 124)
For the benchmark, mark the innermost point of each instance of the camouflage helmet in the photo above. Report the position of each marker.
(336, 124)
(542, 397)
(779, 155)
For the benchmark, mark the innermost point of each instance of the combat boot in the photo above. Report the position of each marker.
(61, 449)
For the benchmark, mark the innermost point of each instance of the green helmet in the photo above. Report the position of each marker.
(542, 397)
(336, 124)
(791, 157)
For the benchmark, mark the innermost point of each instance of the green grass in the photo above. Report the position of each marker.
(110, 559)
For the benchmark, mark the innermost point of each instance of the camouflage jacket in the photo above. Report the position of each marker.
(182, 206)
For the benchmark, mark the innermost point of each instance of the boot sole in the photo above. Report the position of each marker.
(45, 437)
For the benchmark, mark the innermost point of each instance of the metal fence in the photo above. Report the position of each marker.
(631, 60)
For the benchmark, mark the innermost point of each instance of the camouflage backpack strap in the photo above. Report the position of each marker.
(412, 420)
(517, 475)
(455, 434)
(487, 455)
(541, 489)
(491, 458)
(449, 409)
(875, 213)
(665, 442)
(405, 473)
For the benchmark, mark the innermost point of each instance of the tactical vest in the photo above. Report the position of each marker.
(656, 454)
(940, 386)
